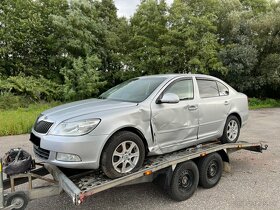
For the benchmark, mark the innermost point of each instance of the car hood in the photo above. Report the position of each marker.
(84, 107)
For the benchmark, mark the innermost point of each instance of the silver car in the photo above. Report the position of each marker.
(144, 116)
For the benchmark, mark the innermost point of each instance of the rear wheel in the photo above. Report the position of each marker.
(210, 170)
(184, 181)
(124, 153)
(231, 130)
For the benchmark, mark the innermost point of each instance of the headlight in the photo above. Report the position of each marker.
(76, 128)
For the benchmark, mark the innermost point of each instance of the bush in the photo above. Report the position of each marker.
(256, 103)
(34, 89)
(82, 79)
(10, 101)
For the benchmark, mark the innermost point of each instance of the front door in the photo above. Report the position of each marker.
(174, 125)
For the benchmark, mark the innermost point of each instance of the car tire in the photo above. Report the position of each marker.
(231, 130)
(184, 181)
(123, 153)
(210, 170)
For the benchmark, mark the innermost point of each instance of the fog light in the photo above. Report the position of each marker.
(67, 157)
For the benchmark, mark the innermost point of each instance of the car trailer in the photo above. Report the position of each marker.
(179, 173)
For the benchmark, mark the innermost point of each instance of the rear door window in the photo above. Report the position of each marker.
(207, 88)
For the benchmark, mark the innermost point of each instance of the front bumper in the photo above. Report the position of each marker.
(87, 147)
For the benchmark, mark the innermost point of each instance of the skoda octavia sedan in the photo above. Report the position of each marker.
(141, 117)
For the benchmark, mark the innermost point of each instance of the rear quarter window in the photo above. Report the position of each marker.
(223, 90)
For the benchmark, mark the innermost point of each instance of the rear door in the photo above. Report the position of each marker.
(176, 124)
(213, 107)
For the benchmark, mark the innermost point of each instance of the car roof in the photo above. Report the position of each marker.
(170, 76)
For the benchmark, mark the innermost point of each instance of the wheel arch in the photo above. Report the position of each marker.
(138, 132)
(130, 129)
(236, 115)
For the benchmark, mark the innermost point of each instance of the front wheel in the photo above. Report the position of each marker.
(231, 130)
(124, 153)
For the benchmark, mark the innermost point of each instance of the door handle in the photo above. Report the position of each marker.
(226, 103)
(192, 107)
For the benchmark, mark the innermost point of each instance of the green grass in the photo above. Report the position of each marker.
(255, 103)
(20, 120)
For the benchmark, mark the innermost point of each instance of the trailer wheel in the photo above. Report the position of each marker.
(18, 199)
(210, 170)
(184, 181)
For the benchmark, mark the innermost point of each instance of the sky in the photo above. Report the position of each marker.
(127, 7)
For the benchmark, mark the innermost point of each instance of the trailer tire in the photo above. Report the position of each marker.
(184, 181)
(116, 154)
(18, 198)
(210, 170)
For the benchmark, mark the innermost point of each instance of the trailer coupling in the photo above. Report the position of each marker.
(257, 148)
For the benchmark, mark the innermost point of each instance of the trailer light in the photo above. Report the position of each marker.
(67, 157)
(203, 154)
(147, 173)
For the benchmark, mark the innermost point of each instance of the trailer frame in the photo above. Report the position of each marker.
(83, 184)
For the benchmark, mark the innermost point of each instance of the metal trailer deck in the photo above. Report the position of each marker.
(81, 184)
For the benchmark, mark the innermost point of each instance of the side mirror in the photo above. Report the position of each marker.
(170, 98)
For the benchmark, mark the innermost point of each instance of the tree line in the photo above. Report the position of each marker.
(70, 50)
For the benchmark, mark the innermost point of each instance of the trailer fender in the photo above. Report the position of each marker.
(224, 155)
(163, 178)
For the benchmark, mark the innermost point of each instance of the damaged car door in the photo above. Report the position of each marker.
(175, 123)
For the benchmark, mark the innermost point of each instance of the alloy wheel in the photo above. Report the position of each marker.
(125, 157)
(232, 130)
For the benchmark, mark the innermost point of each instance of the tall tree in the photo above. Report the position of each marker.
(191, 42)
(112, 43)
(27, 37)
(250, 35)
(81, 43)
(266, 36)
(148, 25)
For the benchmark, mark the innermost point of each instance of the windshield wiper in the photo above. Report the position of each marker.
(101, 97)
(186, 98)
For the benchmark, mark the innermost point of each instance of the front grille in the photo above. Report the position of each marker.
(41, 153)
(42, 126)
(34, 139)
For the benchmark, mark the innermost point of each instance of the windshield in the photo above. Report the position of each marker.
(134, 90)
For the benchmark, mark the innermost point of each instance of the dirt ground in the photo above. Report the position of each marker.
(253, 183)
